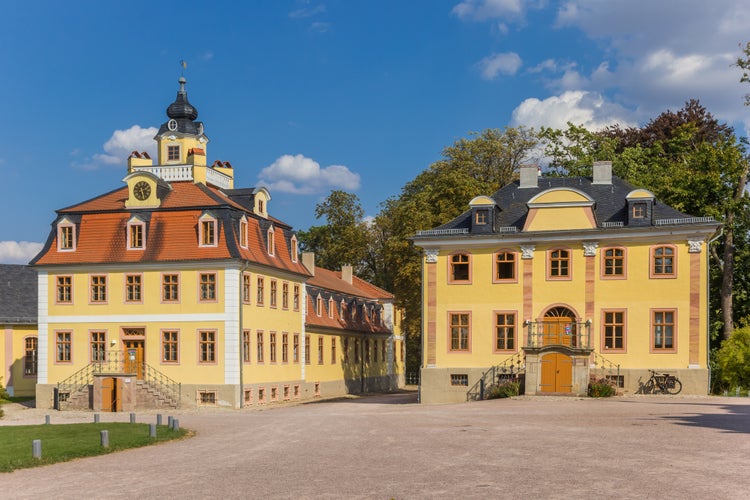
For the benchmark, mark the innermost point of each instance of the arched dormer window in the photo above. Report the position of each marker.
(295, 248)
(66, 235)
(330, 307)
(271, 244)
(136, 234)
(319, 306)
(243, 232)
(207, 230)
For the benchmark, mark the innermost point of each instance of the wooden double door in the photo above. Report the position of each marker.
(556, 373)
(112, 393)
(134, 356)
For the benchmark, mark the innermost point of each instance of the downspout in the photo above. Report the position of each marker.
(708, 305)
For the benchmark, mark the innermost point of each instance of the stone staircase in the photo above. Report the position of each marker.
(149, 396)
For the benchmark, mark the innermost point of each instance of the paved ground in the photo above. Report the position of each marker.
(388, 447)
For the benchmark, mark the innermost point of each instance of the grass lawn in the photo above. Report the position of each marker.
(65, 442)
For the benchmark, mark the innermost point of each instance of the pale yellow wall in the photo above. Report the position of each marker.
(547, 219)
(639, 294)
(12, 357)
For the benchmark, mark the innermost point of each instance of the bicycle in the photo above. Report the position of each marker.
(662, 382)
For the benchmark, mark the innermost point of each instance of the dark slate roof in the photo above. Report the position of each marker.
(610, 204)
(18, 294)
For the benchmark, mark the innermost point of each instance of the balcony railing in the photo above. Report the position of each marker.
(574, 334)
(168, 172)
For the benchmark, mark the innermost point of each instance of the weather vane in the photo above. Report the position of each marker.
(183, 66)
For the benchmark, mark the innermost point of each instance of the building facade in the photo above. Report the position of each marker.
(18, 349)
(175, 289)
(564, 280)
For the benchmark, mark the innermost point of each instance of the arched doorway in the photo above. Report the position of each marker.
(557, 368)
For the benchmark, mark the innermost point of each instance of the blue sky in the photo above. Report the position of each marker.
(308, 96)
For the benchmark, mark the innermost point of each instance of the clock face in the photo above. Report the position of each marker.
(142, 190)
(172, 124)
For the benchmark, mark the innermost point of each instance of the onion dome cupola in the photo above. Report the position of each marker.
(181, 134)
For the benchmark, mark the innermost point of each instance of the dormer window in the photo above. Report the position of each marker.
(330, 307)
(295, 248)
(173, 153)
(260, 206)
(66, 239)
(481, 217)
(639, 210)
(136, 234)
(243, 232)
(319, 306)
(207, 231)
(271, 244)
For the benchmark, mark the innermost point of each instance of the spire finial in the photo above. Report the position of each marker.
(183, 67)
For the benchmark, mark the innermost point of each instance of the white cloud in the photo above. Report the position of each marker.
(301, 175)
(18, 252)
(507, 63)
(480, 10)
(589, 109)
(119, 146)
(307, 11)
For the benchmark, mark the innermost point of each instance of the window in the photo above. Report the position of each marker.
(133, 287)
(284, 347)
(614, 330)
(170, 287)
(173, 153)
(208, 232)
(307, 349)
(274, 294)
(663, 328)
(261, 395)
(246, 288)
(260, 206)
(330, 307)
(206, 398)
(663, 262)
(356, 350)
(319, 306)
(614, 263)
(64, 289)
(246, 346)
(207, 286)
(375, 351)
(505, 331)
(461, 379)
(207, 346)
(66, 240)
(99, 288)
(31, 357)
(295, 348)
(320, 350)
(274, 393)
(295, 248)
(481, 217)
(249, 396)
(639, 210)
(136, 236)
(383, 352)
(367, 350)
(296, 298)
(296, 391)
(333, 351)
(63, 347)
(459, 270)
(169, 346)
(286, 391)
(98, 346)
(559, 263)
(259, 346)
(346, 349)
(285, 295)
(505, 266)
(272, 346)
(259, 291)
(271, 243)
(459, 331)
(243, 233)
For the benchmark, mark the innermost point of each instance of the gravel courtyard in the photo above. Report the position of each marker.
(387, 446)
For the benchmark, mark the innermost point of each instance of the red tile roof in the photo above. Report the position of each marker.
(331, 280)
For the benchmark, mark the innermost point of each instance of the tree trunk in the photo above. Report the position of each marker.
(727, 278)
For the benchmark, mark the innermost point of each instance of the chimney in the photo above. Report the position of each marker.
(308, 260)
(529, 176)
(346, 274)
(602, 172)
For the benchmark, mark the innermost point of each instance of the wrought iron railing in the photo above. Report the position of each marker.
(602, 368)
(683, 220)
(115, 362)
(508, 371)
(574, 334)
(441, 232)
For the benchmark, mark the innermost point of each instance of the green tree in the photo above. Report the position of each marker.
(343, 240)
(732, 361)
(480, 164)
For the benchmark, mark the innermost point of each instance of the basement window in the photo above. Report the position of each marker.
(460, 379)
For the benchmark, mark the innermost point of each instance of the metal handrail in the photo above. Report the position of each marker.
(508, 370)
(575, 334)
(602, 363)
